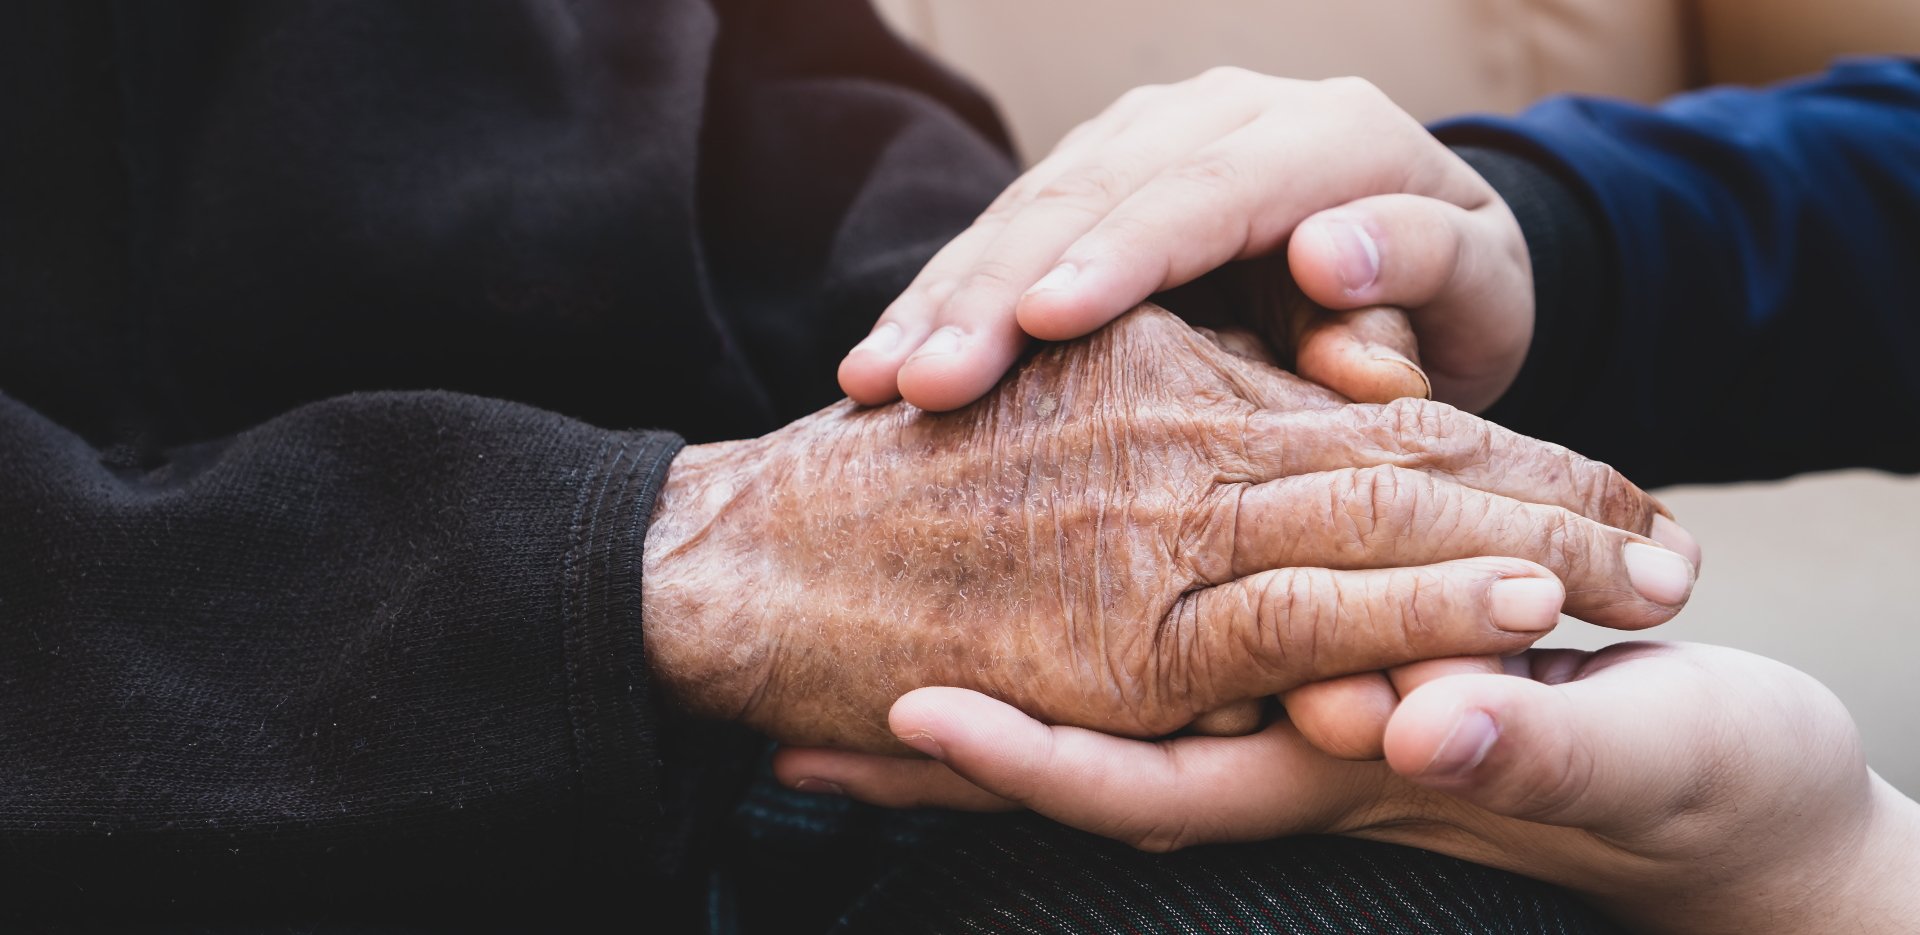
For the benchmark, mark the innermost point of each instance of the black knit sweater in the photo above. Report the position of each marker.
(321, 327)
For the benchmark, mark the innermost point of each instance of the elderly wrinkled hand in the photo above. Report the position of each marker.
(1132, 530)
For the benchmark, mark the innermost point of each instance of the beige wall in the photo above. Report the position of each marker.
(1052, 63)
(1762, 40)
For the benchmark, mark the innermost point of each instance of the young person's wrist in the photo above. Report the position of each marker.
(1863, 878)
(1878, 891)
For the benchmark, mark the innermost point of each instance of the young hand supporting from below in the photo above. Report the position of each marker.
(1684, 788)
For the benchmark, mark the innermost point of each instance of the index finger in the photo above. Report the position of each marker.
(1238, 198)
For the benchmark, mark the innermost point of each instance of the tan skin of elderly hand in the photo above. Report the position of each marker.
(1131, 531)
(1314, 212)
(1681, 788)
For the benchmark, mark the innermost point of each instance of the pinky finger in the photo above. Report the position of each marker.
(887, 781)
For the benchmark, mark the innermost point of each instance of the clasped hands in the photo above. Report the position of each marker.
(1236, 531)
(1137, 536)
(1131, 532)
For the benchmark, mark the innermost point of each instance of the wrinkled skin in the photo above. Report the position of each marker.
(1134, 529)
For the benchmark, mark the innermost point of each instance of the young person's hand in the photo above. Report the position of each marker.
(1326, 184)
(1684, 788)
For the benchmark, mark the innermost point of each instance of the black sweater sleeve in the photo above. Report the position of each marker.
(1574, 283)
(385, 642)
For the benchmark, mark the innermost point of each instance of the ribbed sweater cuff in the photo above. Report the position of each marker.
(1573, 284)
(614, 719)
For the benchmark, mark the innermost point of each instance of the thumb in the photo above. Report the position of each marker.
(1584, 754)
(1367, 355)
(1464, 274)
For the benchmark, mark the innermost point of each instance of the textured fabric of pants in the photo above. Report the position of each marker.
(807, 863)
(1025, 875)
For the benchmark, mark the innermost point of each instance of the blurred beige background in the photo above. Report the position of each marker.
(1817, 571)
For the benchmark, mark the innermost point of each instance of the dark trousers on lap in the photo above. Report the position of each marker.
(822, 864)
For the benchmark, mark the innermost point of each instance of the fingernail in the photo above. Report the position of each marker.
(1471, 737)
(944, 341)
(1676, 537)
(1660, 576)
(1387, 356)
(1357, 257)
(1525, 605)
(924, 742)
(882, 340)
(818, 787)
(1056, 278)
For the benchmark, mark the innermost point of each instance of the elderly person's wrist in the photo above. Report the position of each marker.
(703, 654)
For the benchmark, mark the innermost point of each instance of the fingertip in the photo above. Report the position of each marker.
(1399, 374)
(1526, 605)
(1078, 303)
(1334, 257)
(793, 766)
(1674, 536)
(1423, 720)
(886, 781)
(1444, 731)
(1364, 355)
(948, 715)
(919, 709)
(1057, 316)
(869, 374)
(1661, 576)
(954, 368)
(1343, 717)
(867, 380)
(1234, 720)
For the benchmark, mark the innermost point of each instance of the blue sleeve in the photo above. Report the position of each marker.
(1762, 289)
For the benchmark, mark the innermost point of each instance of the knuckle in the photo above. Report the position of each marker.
(1211, 170)
(1183, 662)
(1298, 610)
(1616, 501)
(1559, 542)
(920, 301)
(1137, 98)
(1010, 201)
(1419, 604)
(1381, 502)
(1127, 233)
(932, 290)
(988, 274)
(1590, 486)
(1354, 88)
(1088, 187)
(1227, 75)
(1423, 424)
